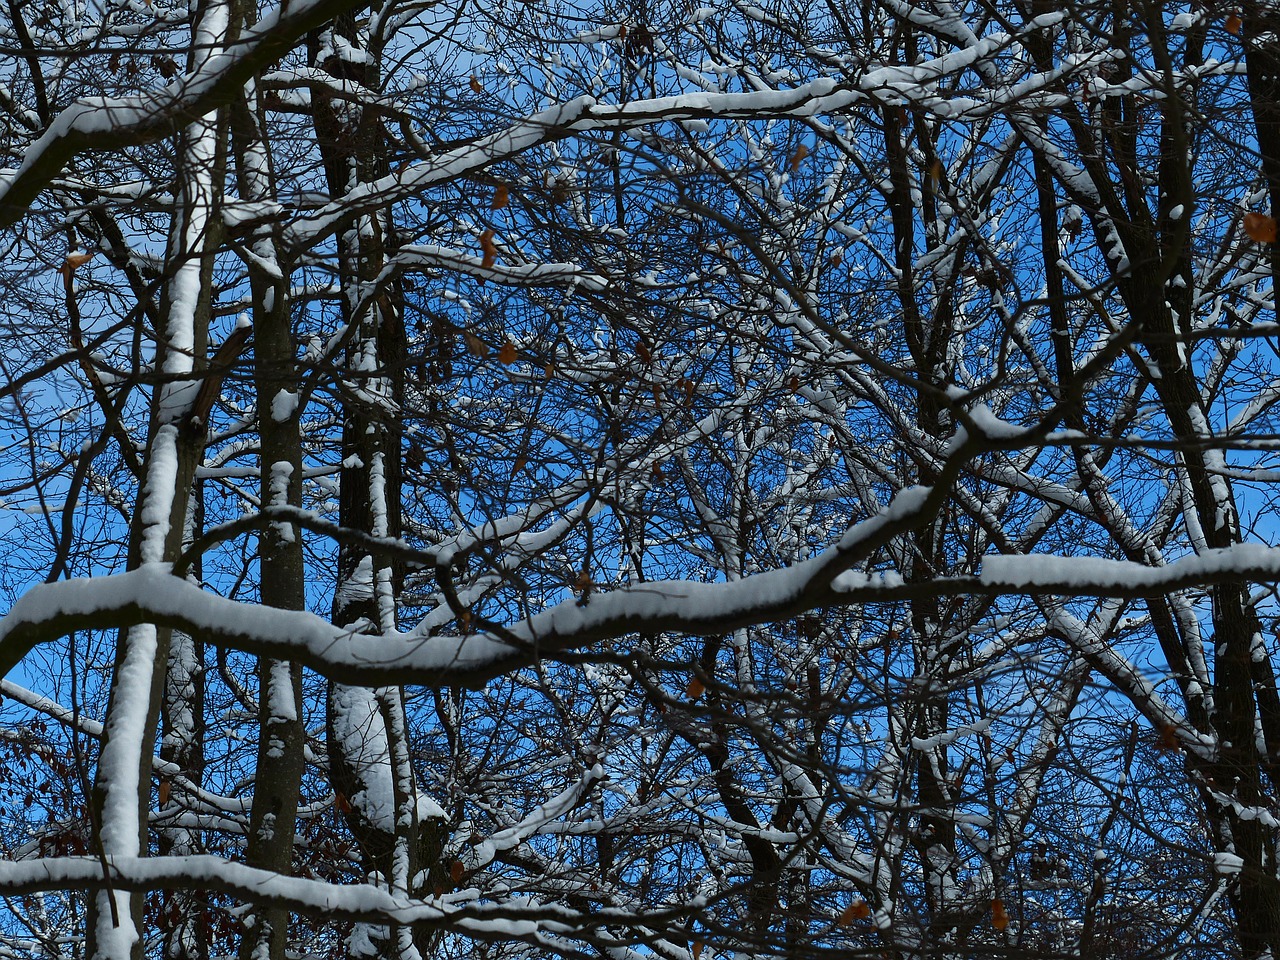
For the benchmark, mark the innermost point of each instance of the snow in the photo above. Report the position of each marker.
(283, 405)
(361, 735)
(1227, 864)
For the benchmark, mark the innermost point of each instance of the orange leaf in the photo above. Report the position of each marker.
(695, 688)
(935, 173)
(695, 951)
(519, 464)
(476, 86)
(456, 870)
(999, 918)
(857, 910)
(342, 803)
(475, 346)
(488, 248)
(501, 197)
(507, 355)
(164, 792)
(644, 353)
(797, 158)
(548, 370)
(1233, 25)
(1260, 227)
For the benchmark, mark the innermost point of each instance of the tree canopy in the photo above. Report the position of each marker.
(515, 479)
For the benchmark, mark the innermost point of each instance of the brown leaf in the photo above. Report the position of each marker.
(1233, 25)
(797, 158)
(76, 258)
(835, 258)
(695, 689)
(695, 950)
(857, 910)
(1167, 739)
(1260, 227)
(456, 871)
(488, 248)
(341, 802)
(476, 85)
(520, 463)
(164, 792)
(999, 918)
(935, 173)
(644, 353)
(507, 354)
(501, 197)
(475, 346)
(548, 370)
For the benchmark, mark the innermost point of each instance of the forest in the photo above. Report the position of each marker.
(511, 479)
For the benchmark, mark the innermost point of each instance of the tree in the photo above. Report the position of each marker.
(746, 479)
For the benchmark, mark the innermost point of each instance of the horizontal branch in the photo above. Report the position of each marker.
(153, 595)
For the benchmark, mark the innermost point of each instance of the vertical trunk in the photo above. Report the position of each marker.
(278, 777)
(367, 745)
(926, 337)
(122, 789)
(182, 744)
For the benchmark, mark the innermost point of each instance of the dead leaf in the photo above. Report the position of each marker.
(695, 689)
(501, 197)
(519, 464)
(1233, 25)
(548, 370)
(1260, 227)
(488, 248)
(341, 802)
(475, 346)
(797, 158)
(1167, 739)
(644, 353)
(999, 918)
(164, 792)
(507, 354)
(456, 871)
(76, 258)
(935, 173)
(695, 951)
(857, 910)
(476, 85)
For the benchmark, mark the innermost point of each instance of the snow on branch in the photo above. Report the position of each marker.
(152, 595)
(461, 911)
(103, 123)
